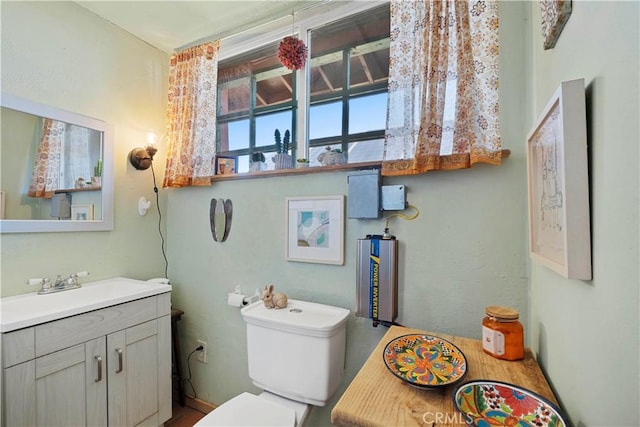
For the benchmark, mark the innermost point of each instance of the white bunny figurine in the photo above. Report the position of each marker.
(272, 300)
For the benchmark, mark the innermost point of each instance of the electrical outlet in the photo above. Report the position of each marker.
(202, 354)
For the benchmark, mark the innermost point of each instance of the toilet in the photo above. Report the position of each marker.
(296, 356)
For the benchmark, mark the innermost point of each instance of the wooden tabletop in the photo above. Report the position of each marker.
(376, 397)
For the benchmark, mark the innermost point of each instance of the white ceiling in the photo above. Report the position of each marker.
(171, 25)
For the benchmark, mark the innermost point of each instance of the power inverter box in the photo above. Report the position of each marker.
(377, 278)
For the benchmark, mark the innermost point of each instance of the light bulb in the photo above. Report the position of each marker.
(152, 139)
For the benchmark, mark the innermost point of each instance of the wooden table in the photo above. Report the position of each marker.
(376, 397)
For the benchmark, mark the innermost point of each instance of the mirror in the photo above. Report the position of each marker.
(56, 171)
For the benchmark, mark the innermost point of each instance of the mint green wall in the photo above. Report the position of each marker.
(59, 54)
(465, 251)
(586, 332)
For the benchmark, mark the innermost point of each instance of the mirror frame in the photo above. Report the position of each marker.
(47, 226)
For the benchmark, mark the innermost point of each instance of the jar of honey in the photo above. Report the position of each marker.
(502, 333)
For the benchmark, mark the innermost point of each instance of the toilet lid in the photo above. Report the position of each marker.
(248, 409)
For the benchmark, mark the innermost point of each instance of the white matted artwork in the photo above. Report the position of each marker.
(558, 184)
(82, 212)
(315, 229)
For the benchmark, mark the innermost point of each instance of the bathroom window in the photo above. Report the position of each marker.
(348, 85)
(256, 96)
(346, 92)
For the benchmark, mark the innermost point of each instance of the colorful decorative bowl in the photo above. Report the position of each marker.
(493, 403)
(425, 361)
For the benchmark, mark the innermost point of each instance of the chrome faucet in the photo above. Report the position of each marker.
(60, 284)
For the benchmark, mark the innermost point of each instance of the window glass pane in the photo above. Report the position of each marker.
(368, 113)
(267, 124)
(274, 82)
(325, 120)
(234, 96)
(274, 86)
(249, 86)
(366, 151)
(237, 135)
(242, 164)
(314, 152)
(369, 63)
(268, 159)
(327, 74)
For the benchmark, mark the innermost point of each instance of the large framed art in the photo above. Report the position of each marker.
(315, 229)
(558, 184)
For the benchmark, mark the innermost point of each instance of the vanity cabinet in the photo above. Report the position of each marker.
(107, 367)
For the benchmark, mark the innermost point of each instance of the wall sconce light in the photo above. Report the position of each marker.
(141, 158)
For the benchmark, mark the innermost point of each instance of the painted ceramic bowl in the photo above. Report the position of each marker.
(425, 361)
(492, 403)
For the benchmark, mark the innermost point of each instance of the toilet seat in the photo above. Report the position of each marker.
(247, 409)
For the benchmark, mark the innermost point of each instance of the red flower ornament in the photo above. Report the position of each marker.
(292, 53)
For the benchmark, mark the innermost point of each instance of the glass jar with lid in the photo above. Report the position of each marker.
(502, 333)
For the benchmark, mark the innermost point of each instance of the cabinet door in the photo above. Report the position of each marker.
(133, 375)
(19, 388)
(51, 390)
(71, 387)
(96, 378)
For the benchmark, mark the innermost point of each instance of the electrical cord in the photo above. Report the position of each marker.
(403, 216)
(164, 255)
(188, 380)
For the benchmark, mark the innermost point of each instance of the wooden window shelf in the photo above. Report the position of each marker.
(310, 170)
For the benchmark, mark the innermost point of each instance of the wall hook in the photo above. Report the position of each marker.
(143, 206)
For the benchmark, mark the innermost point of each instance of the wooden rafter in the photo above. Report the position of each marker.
(326, 79)
(365, 68)
(286, 84)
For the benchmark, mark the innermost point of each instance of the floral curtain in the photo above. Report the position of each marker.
(76, 153)
(191, 116)
(443, 86)
(45, 179)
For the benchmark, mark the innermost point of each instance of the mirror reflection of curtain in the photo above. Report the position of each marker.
(443, 86)
(45, 179)
(76, 157)
(191, 116)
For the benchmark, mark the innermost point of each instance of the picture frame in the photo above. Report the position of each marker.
(226, 165)
(315, 229)
(554, 15)
(558, 184)
(82, 212)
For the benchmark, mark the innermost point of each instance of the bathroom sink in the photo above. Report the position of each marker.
(26, 310)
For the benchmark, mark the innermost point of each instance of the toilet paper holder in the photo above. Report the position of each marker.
(238, 299)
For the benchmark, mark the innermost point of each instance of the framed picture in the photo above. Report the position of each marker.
(226, 165)
(558, 184)
(82, 212)
(554, 14)
(315, 229)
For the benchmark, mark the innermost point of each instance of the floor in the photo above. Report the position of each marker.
(183, 416)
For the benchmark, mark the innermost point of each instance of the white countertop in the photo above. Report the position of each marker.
(22, 311)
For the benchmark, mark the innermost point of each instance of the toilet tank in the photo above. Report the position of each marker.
(298, 351)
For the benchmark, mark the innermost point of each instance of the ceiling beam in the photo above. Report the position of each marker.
(326, 79)
(286, 84)
(365, 68)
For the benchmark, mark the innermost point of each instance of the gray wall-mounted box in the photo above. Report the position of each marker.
(394, 197)
(363, 201)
